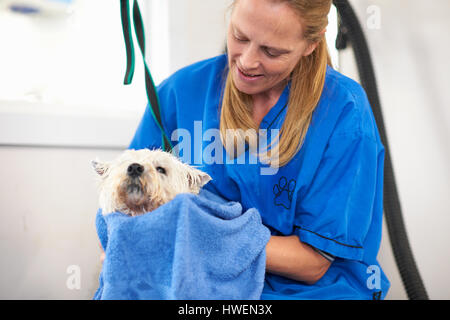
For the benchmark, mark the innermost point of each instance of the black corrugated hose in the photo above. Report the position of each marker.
(350, 30)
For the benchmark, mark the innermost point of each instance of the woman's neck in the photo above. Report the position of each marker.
(263, 102)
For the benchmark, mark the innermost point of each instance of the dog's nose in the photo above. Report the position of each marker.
(135, 170)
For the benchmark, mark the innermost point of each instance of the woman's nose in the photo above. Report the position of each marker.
(249, 58)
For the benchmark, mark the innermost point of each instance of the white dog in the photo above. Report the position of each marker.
(140, 181)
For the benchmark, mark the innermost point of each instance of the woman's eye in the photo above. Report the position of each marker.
(270, 53)
(240, 39)
(161, 170)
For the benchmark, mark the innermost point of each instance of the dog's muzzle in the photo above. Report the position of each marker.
(135, 170)
(134, 188)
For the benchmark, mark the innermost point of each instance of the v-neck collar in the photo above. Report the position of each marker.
(276, 111)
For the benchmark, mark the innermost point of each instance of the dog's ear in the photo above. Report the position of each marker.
(100, 167)
(197, 178)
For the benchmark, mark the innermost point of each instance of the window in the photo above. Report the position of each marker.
(66, 57)
(63, 64)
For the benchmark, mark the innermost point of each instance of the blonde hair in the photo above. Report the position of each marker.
(307, 81)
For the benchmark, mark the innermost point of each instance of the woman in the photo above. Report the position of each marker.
(323, 199)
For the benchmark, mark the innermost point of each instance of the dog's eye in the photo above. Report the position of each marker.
(161, 170)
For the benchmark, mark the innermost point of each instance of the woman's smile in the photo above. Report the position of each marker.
(248, 76)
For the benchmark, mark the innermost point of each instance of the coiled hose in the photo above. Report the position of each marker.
(350, 30)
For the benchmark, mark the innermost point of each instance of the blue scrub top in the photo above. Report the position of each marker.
(329, 194)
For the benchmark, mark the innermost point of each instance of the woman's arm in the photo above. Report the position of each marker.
(290, 258)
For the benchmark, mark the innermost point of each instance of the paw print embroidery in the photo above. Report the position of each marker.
(283, 192)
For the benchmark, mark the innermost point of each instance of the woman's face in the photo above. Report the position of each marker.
(265, 42)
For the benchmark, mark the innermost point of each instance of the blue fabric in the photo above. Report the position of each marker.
(193, 247)
(329, 194)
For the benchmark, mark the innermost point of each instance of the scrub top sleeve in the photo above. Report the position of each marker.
(335, 212)
(148, 134)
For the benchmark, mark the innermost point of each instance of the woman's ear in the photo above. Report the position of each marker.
(310, 48)
(313, 45)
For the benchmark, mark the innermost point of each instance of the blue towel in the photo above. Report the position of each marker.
(193, 247)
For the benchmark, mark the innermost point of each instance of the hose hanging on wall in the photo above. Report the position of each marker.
(350, 30)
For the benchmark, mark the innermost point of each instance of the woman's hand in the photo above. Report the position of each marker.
(290, 258)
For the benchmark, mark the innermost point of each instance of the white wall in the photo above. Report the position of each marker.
(47, 208)
(185, 32)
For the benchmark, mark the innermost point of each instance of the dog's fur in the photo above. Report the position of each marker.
(139, 181)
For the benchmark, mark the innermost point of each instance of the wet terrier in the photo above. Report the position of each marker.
(139, 181)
